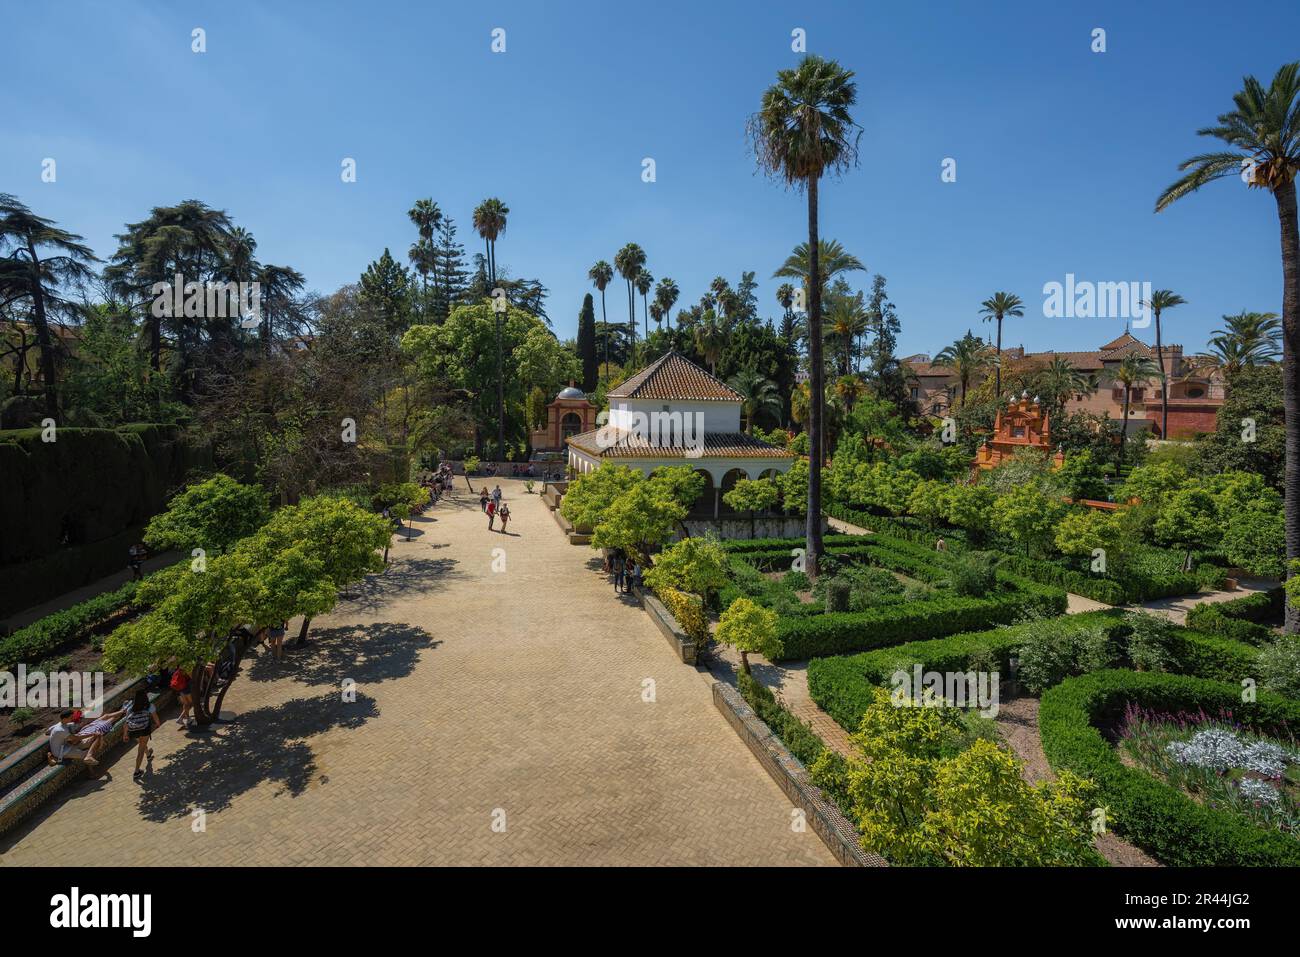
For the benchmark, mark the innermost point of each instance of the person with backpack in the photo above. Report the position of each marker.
(141, 722)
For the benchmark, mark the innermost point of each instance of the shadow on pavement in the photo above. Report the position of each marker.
(364, 653)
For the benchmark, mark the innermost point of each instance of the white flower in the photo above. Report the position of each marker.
(1258, 791)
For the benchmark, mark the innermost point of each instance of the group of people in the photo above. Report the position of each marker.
(623, 570)
(439, 483)
(75, 737)
(494, 508)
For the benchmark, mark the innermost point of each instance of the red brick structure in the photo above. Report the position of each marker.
(570, 413)
(1022, 424)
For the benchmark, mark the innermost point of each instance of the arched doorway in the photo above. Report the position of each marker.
(728, 483)
(570, 425)
(705, 504)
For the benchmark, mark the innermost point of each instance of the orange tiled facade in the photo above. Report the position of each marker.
(1194, 400)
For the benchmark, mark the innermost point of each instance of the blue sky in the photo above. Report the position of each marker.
(1060, 151)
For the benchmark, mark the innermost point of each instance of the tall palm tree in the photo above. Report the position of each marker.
(759, 395)
(848, 390)
(628, 261)
(427, 217)
(710, 338)
(600, 276)
(1263, 133)
(1133, 371)
(41, 277)
(846, 320)
(832, 260)
(1225, 355)
(1161, 300)
(803, 129)
(666, 293)
(995, 308)
(785, 296)
(490, 222)
(643, 282)
(800, 403)
(968, 357)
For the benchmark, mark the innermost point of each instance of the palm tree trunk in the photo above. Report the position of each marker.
(501, 397)
(1286, 214)
(1123, 435)
(604, 321)
(816, 387)
(43, 340)
(1164, 392)
(997, 369)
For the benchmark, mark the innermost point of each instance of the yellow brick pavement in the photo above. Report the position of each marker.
(481, 695)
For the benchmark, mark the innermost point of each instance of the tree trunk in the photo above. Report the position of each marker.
(501, 397)
(1164, 390)
(302, 632)
(43, 340)
(816, 386)
(744, 662)
(604, 321)
(997, 358)
(1286, 213)
(1123, 435)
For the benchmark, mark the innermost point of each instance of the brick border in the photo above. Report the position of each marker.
(681, 643)
(839, 836)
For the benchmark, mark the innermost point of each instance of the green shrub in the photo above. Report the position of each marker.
(974, 574)
(1278, 665)
(1051, 650)
(837, 594)
(689, 612)
(1240, 617)
(1149, 640)
(1150, 813)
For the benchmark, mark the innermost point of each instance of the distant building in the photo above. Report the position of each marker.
(1194, 397)
(570, 413)
(1021, 424)
(674, 413)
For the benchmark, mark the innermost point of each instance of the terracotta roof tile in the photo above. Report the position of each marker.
(673, 376)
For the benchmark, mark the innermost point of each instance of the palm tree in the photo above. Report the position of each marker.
(600, 276)
(427, 217)
(710, 338)
(785, 296)
(1161, 300)
(41, 279)
(968, 357)
(666, 293)
(803, 130)
(994, 308)
(1225, 355)
(1258, 334)
(759, 395)
(848, 390)
(832, 260)
(628, 261)
(1133, 371)
(800, 403)
(1060, 381)
(490, 222)
(643, 282)
(846, 320)
(1263, 133)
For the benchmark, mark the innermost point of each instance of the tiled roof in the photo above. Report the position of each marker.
(610, 442)
(673, 376)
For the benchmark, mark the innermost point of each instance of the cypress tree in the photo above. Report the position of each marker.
(587, 344)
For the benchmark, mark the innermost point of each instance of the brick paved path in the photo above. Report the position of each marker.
(516, 692)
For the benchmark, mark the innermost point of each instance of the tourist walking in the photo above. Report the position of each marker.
(141, 722)
(504, 513)
(274, 639)
(180, 683)
(491, 513)
(633, 573)
(135, 556)
(496, 495)
(620, 570)
(483, 497)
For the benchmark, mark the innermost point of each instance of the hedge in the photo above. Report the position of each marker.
(40, 639)
(69, 505)
(844, 632)
(1155, 816)
(1080, 583)
(843, 686)
(688, 609)
(1239, 617)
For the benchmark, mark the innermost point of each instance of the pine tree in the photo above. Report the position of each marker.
(449, 266)
(587, 344)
